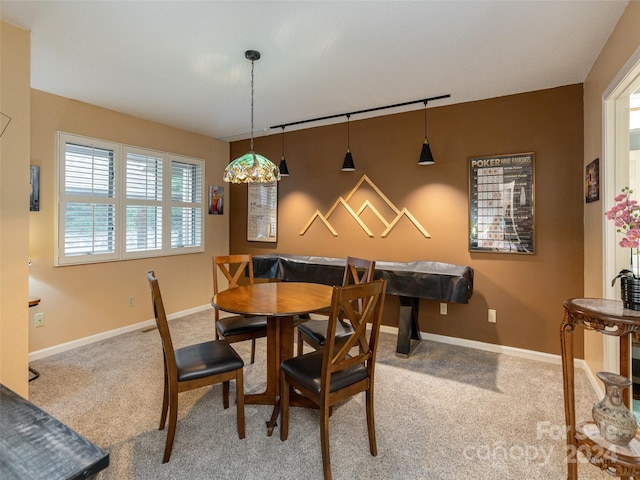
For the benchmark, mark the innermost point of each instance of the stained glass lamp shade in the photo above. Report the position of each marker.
(251, 167)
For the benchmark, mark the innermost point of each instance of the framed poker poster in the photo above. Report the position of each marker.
(501, 203)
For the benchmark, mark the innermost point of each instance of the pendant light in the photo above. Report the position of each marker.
(284, 171)
(348, 165)
(251, 167)
(426, 158)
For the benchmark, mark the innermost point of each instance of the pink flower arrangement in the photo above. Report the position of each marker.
(626, 217)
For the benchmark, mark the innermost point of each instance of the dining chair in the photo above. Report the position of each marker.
(194, 366)
(332, 375)
(313, 332)
(237, 328)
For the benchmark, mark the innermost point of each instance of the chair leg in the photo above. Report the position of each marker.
(165, 401)
(284, 408)
(371, 427)
(225, 394)
(300, 343)
(253, 350)
(173, 420)
(240, 402)
(324, 441)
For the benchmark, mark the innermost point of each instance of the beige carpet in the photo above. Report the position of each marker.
(445, 413)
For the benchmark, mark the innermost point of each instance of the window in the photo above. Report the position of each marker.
(118, 202)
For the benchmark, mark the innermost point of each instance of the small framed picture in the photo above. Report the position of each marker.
(216, 200)
(592, 182)
(34, 196)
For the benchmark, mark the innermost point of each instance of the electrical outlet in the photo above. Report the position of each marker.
(131, 302)
(443, 309)
(38, 319)
(492, 316)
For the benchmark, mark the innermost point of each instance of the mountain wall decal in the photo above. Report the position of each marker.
(367, 205)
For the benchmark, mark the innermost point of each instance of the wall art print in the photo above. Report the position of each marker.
(501, 203)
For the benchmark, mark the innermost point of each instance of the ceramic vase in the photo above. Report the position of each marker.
(614, 420)
(630, 292)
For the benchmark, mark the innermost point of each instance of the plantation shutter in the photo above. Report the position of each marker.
(143, 210)
(186, 203)
(88, 200)
(119, 202)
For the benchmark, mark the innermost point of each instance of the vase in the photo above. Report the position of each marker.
(630, 292)
(616, 423)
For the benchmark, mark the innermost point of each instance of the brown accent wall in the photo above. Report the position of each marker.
(526, 290)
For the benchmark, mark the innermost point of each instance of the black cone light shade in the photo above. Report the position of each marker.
(348, 165)
(284, 171)
(426, 158)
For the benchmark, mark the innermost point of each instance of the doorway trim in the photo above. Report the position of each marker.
(615, 154)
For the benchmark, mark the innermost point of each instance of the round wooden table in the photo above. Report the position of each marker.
(280, 302)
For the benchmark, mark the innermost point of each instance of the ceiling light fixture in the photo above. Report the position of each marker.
(284, 171)
(251, 167)
(367, 110)
(426, 158)
(348, 165)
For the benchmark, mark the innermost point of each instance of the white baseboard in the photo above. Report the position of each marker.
(518, 352)
(489, 347)
(63, 347)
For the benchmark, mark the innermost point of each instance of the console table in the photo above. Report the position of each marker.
(36, 446)
(411, 281)
(609, 318)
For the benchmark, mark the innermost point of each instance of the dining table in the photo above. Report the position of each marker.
(280, 302)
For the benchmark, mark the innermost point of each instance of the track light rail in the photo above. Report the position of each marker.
(423, 100)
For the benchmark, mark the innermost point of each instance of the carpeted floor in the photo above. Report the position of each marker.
(445, 413)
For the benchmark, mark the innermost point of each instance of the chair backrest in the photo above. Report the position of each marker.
(163, 326)
(358, 270)
(345, 303)
(232, 267)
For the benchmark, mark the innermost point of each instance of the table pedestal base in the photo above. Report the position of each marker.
(408, 326)
(279, 349)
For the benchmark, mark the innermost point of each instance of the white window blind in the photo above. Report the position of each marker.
(117, 202)
(186, 199)
(88, 200)
(144, 184)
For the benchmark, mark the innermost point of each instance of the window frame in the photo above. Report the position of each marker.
(121, 202)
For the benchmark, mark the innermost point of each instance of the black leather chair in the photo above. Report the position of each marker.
(237, 328)
(331, 375)
(192, 367)
(313, 332)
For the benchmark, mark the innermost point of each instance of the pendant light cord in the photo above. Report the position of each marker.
(425, 120)
(348, 136)
(251, 144)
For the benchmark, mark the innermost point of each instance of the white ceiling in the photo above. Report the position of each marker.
(181, 63)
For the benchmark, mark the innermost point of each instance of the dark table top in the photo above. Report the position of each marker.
(34, 445)
(419, 279)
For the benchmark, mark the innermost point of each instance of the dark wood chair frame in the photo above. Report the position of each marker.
(173, 386)
(357, 270)
(359, 305)
(243, 264)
